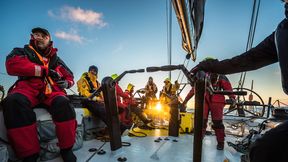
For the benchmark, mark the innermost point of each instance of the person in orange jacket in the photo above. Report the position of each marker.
(42, 78)
(214, 103)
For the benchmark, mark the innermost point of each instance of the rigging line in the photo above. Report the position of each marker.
(180, 70)
(183, 73)
(252, 29)
(169, 32)
(255, 23)
(248, 44)
(251, 26)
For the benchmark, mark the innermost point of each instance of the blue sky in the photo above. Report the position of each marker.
(129, 34)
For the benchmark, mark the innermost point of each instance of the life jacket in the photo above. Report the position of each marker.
(87, 85)
(91, 85)
(27, 51)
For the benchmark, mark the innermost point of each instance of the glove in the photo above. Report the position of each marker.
(54, 74)
(63, 84)
(206, 66)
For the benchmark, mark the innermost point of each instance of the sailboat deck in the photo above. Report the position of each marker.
(168, 149)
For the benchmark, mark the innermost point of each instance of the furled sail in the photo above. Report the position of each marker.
(186, 12)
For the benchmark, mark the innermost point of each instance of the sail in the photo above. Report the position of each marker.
(190, 33)
(197, 14)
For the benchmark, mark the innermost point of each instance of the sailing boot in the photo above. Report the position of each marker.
(31, 158)
(220, 134)
(220, 146)
(68, 155)
(143, 117)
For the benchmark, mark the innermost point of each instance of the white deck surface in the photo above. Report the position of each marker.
(145, 150)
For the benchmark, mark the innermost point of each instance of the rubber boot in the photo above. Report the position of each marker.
(68, 155)
(220, 146)
(142, 116)
(31, 158)
(220, 136)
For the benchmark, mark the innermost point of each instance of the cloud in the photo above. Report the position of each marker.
(69, 36)
(79, 15)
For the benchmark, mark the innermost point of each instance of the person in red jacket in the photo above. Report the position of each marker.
(214, 103)
(124, 100)
(42, 78)
(122, 107)
(133, 107)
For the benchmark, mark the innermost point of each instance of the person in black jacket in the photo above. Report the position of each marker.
(273, 145)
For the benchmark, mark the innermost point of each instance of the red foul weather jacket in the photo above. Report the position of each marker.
(33, 71)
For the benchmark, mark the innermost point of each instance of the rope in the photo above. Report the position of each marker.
(253, 22)
(169, 32)
(137, 132)
(180, 70)
(185, 67)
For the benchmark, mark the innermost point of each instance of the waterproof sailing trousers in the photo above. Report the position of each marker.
(216, 109)
(97, 109)
(20, 121)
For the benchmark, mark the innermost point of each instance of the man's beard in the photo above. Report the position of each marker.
(41, 46)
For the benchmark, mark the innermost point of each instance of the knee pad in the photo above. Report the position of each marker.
(217, 124)
(61, 109)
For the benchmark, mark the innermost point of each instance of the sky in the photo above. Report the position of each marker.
(124, 35)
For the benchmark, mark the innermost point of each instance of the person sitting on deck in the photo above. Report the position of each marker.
(88, 84)
(42, 79)
(133, 107)
(124, 101)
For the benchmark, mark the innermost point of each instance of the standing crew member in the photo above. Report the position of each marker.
(168, 90)
(150, 89)
(214, 103)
